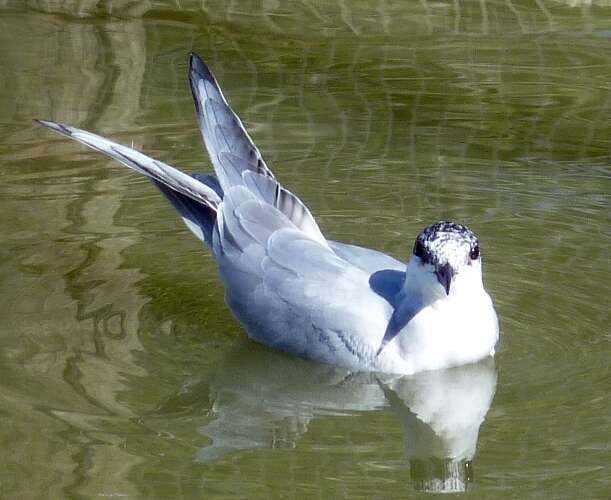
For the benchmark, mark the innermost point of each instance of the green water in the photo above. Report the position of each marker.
(122, 374)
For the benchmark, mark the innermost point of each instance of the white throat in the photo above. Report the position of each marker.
(422, 286)
(436, 329)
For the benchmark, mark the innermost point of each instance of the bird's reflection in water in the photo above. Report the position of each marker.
(441, 413)
(264, 399)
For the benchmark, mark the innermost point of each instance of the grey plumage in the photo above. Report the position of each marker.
(295, 290)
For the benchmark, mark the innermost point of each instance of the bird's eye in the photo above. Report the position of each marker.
(419, 249)
(474, 254)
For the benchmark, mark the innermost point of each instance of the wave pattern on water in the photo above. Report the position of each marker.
(118, 358)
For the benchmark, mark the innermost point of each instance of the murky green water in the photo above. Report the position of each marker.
(123, 375)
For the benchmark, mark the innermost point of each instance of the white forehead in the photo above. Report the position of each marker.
(449, 248)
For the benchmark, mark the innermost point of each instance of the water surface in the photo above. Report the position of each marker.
(121, 371)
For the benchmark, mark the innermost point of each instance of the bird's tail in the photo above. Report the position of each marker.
(196, 197)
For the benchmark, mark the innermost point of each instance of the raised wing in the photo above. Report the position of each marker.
(270, 191)
(154, 169)
(236, 159)
(231, 149)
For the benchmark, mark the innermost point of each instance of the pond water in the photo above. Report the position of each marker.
(122, 373)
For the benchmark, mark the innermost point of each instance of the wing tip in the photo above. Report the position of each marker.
(56, 126)
(198, 71)
(198, 68)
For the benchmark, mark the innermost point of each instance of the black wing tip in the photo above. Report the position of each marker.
(46, 123)
(197, 67)
(58, 127)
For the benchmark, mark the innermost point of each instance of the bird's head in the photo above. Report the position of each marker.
(444, 254)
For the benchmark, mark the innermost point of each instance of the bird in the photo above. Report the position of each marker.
(297, 291)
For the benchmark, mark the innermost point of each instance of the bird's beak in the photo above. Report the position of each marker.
(444, 274)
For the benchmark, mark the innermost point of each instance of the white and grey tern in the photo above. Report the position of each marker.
(297, 291)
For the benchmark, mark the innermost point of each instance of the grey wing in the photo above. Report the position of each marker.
(231, 149)
(154, 169)
(271, 192)
(244, 225)
(325, 298)
(365, 258)
(236, 159)
(287, 287)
